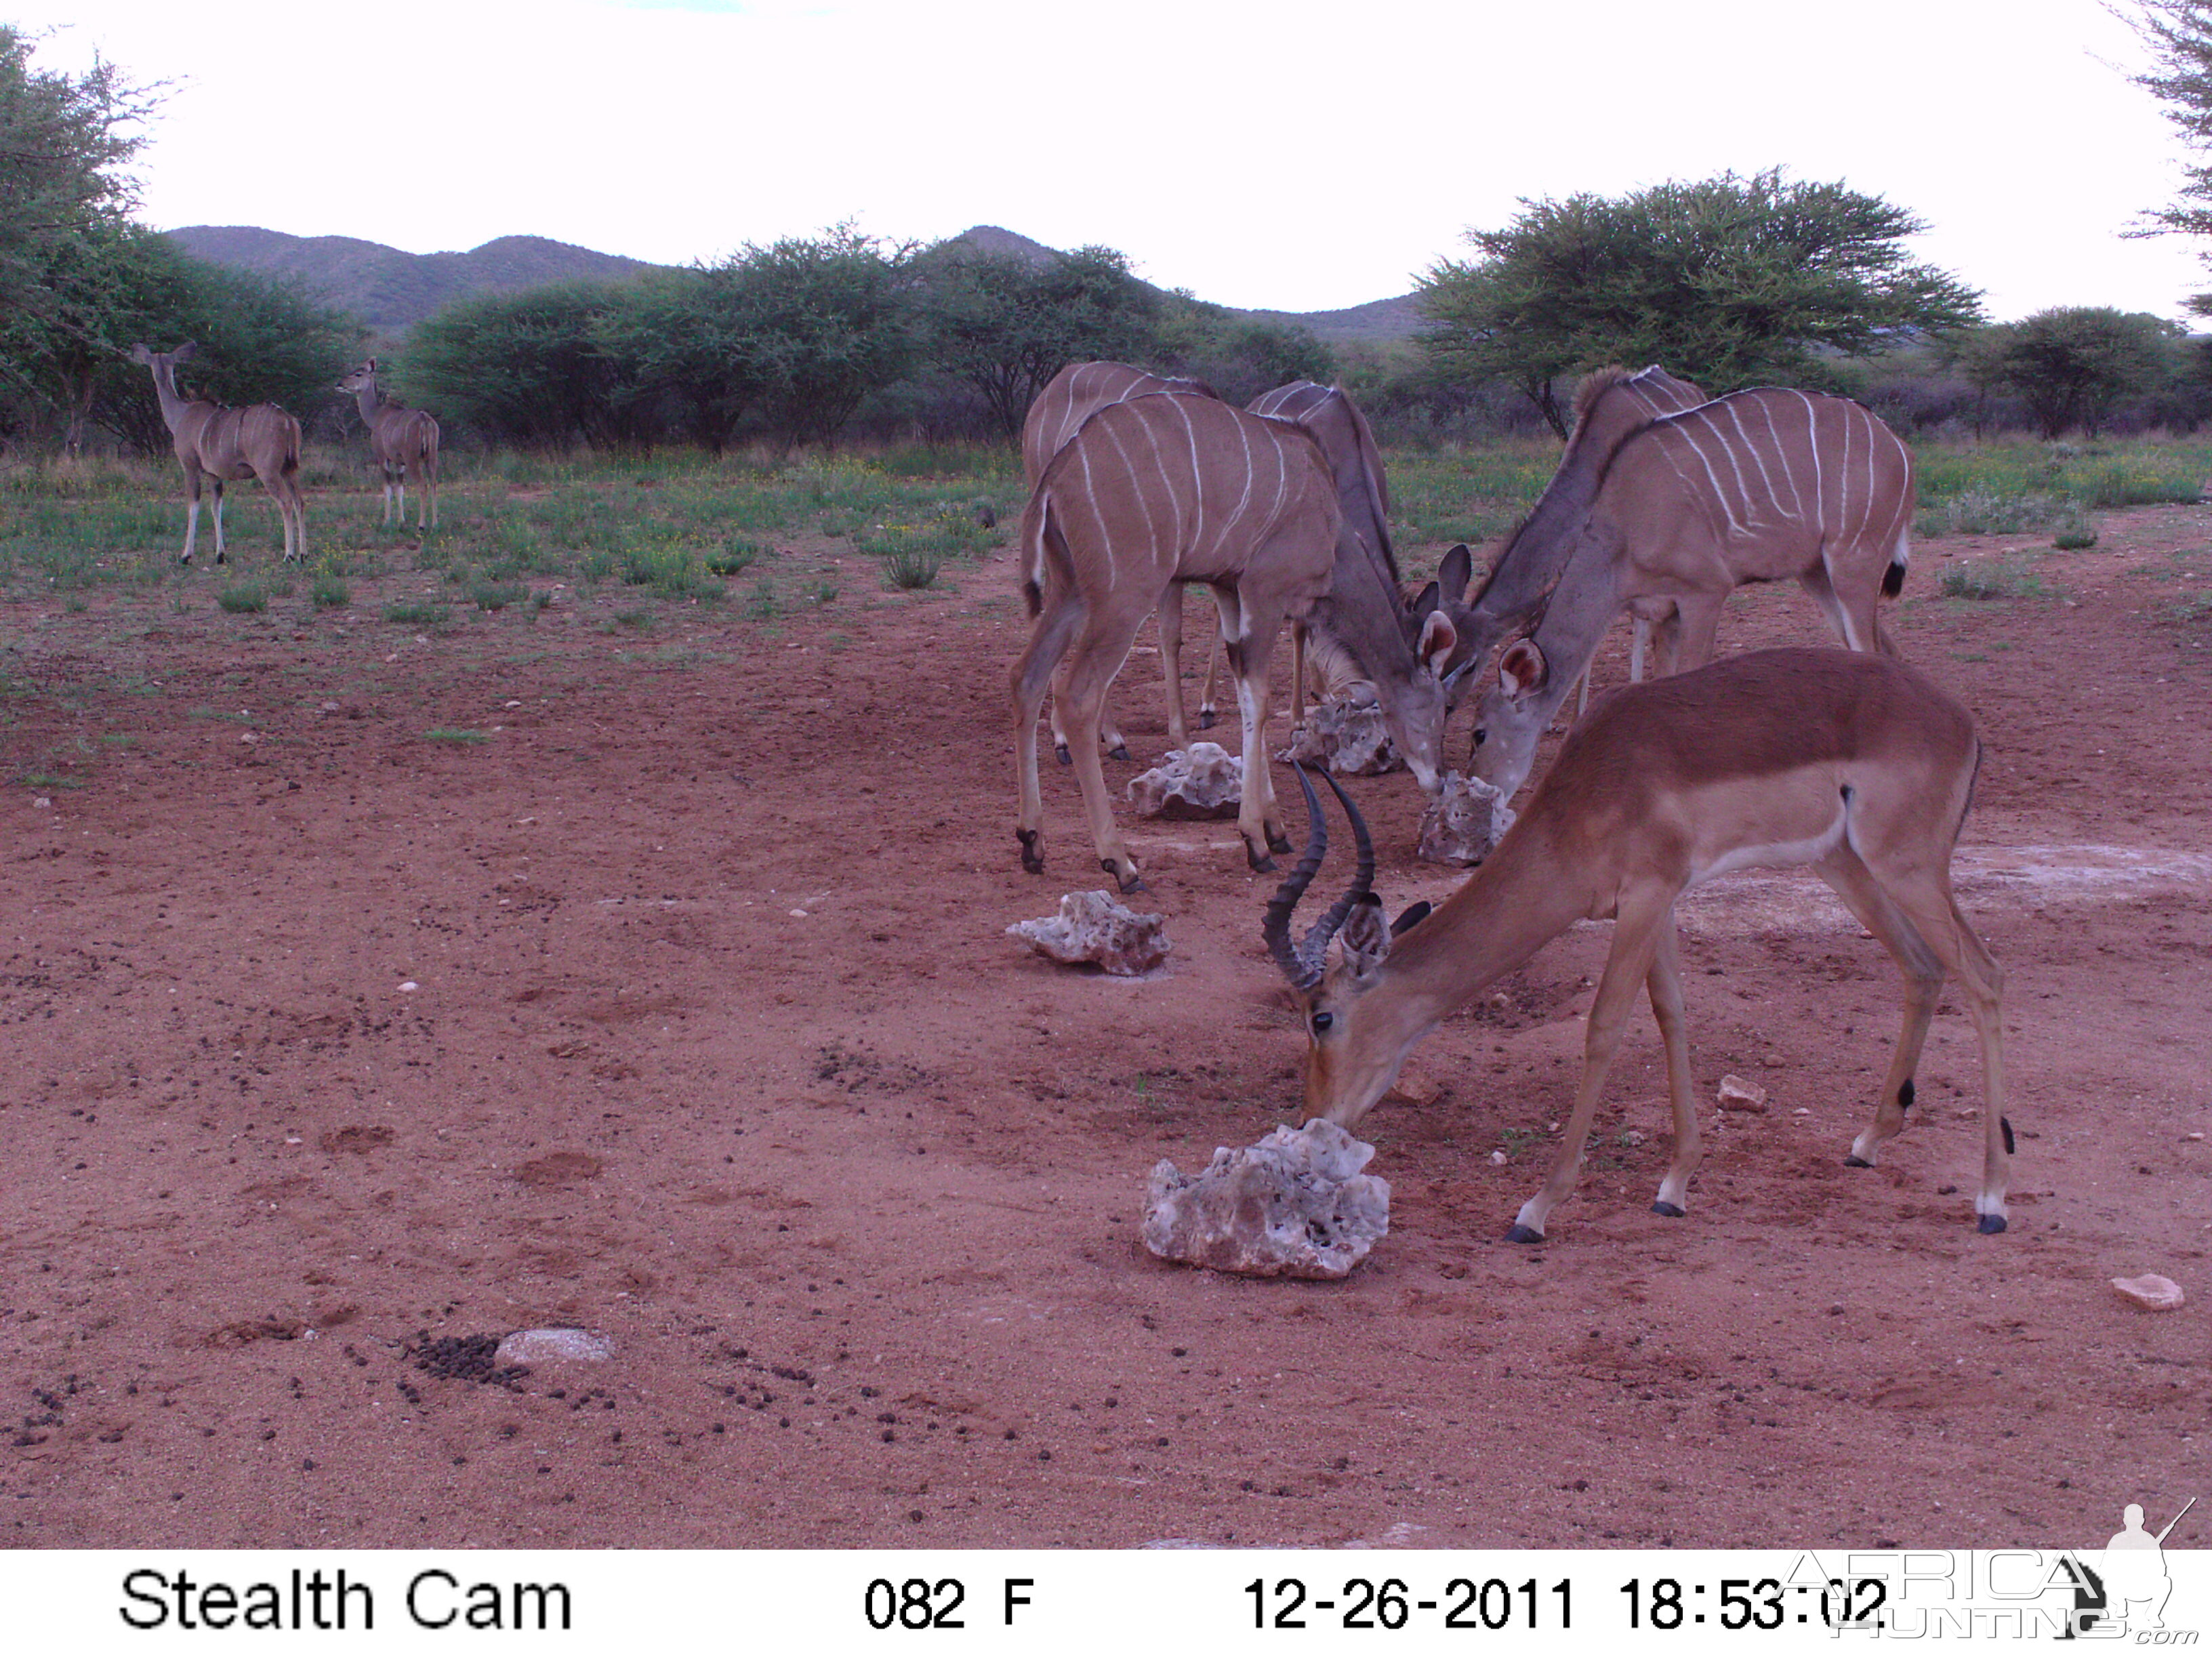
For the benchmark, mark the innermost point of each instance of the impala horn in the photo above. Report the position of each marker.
(1302, 963)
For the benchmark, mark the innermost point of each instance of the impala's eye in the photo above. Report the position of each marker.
(1322, 1020)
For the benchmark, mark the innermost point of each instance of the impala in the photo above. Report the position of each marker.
(1854, 765)
(216, 442)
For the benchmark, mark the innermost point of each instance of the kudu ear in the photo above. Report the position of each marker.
(1456, 571)
(1521, 669)
(142, 353)
(1439, 639)
(1365, 938)
(1413, 916)
(185, 353)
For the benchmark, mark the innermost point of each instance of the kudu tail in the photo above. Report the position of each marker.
(1044, 550)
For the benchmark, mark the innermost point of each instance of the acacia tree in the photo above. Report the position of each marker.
(1730, 281)
(528, 368)
(825, 320)
(1005, 325)
(2073, 364)
(2178, 34)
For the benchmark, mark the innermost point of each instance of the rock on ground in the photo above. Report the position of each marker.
(1738, 1095)
(1094, 926)
(2153, 1291)
(1294, 1206)
(1464, 822)
(1202, 781)
(1347, 736)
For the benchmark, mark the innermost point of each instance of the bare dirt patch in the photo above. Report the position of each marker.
(715, 1046)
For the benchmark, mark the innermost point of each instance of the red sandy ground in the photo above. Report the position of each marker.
(719, 1048)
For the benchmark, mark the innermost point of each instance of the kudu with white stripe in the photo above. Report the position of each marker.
(1160, 490)
(1855, 765)
(399, 438)
(1409, 647)
(1753, 487)
(216, 442)
(1069, 399)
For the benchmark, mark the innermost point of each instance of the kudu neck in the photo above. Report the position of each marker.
(173, 402)
(368, 397)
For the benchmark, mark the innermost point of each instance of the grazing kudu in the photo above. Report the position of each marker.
(1069, 399)
(1389, 633)
(399, 438)
(1855, 765)
(224, 443)
(1161, 489)
(1753, 487)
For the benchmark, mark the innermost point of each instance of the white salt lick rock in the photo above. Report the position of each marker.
(1094, 926)
(1294, 1206)
(550, 1345)
(1202, 781)
(1347, 736)
(1465, 822)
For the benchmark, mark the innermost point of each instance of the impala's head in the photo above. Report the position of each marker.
(1354, 1044)
(1510, 717)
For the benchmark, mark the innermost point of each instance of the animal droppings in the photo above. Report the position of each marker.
(1464, 822)
(1094, 927)
(1738, 1095)
(1294, 1206)
(1347, 735)
(553, 1344)
(2151, 1291)
(1202, 781)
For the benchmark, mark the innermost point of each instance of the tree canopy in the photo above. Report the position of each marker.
(1730, 281)
(2071, 365)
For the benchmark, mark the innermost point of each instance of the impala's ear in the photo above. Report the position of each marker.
(1456, 571)
(1521, 669)
(1365, 938)
(1413, 916)
(186, 352)
(1439, 639)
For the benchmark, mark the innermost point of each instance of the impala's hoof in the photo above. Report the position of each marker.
(1120, 751)
(1855, 1162)
(1032, 860)
(1517, 1234)
(1663, 1207)
(1279, 842)
(1060, 753)
(1988, 1224)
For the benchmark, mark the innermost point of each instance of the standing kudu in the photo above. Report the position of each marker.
(1161, 489)
(399, 438)
(1071, 397)
(1856, 765)
(1754, 487)
(229, 443)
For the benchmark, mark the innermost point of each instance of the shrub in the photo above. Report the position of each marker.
(1992, 579)
(497, 596)
(241, 601)
(734, 556)
(911, 569)
(415, 615)
(331, 593)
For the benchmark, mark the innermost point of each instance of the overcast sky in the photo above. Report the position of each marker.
(1275, 156)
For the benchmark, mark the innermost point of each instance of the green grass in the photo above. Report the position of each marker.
(330, 593)
(1992, 579)
(415, 615)
(497, 596)
(456, 734)
(249, 600)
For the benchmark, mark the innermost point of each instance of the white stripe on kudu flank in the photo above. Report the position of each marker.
(1796, 513)
(1712, 478)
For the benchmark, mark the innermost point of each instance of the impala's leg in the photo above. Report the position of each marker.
(1172, 665)
(1664, 983)
(1099, 649)
(220, 556)
(1635, 930)
(1055, 626)
(1923, 970)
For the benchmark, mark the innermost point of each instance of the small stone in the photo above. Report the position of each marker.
(1202, 781)
(551, 1345)
(1499, 1158)
(2151, 1291)
(409, 985)
(42, 801)
(1738, 1095)
(1294, 1205)
(1464, 822)
(1094, 926)
(1772, 1059)
(1346, 734)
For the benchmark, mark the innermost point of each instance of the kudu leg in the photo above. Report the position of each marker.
(1098, 654)
(191, 517)
(1208, 713)
(220, 556)
(1636, 929)
(1032, 676)
(1171, 666)
(1250, 651)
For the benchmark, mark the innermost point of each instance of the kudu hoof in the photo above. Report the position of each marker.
(1988, 1224)
(1060, 753)
(1032, 860)
(1132, 882)
(1259, 861)
(1517, 1234)
(1855, 1162)
(1661, 1207)
(1206, 720)
(1120, 751)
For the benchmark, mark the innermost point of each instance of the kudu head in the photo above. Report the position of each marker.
(1511, 718)
(1352, 1051)
(164, 363)
(1446, 597)
(356, 381)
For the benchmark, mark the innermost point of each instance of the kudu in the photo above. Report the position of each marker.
(1160, 490)
(1753, 487)
(1069, 399)
(399, 438)
(1855, 765)
(229, 443)
(1432, 630)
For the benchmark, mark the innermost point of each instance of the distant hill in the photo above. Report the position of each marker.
(391, 290)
